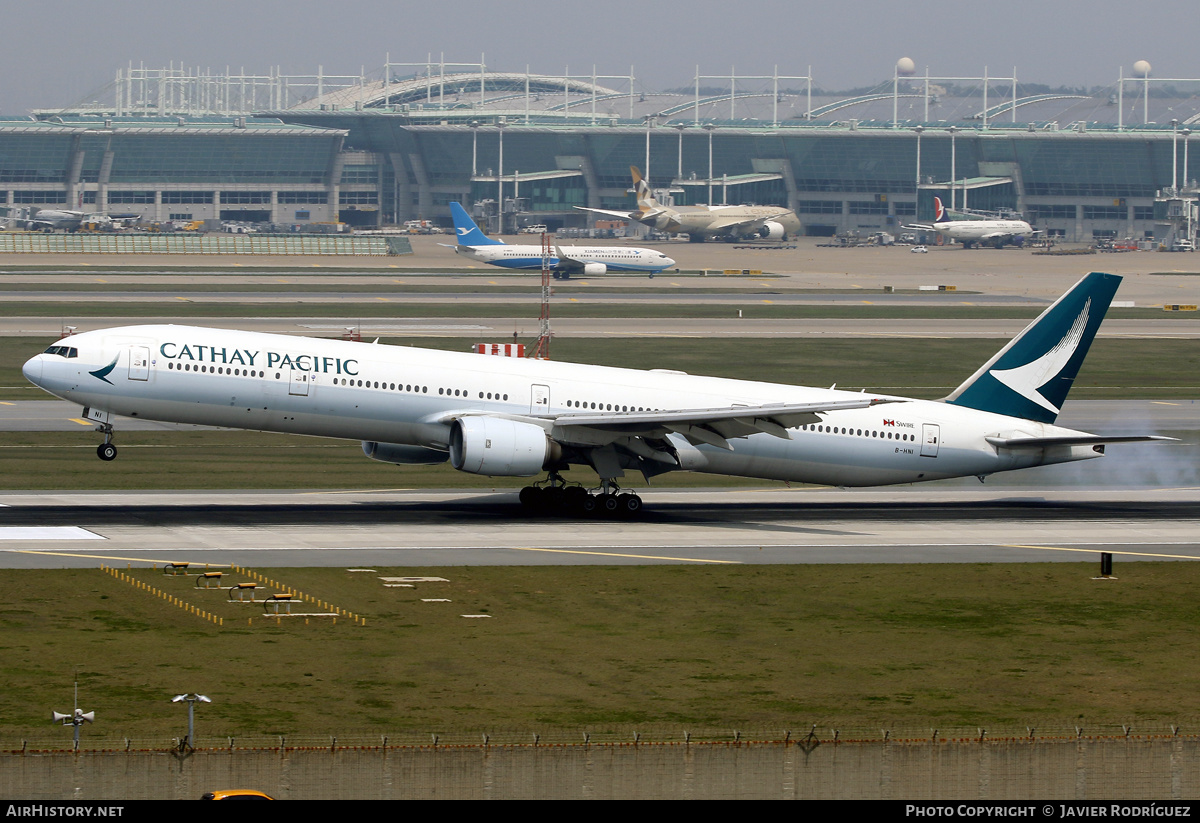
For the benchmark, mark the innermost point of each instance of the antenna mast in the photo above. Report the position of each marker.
(542, 352)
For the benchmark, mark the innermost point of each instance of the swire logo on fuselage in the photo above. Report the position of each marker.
(198, 353)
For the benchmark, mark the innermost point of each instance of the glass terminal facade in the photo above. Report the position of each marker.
(378, 166)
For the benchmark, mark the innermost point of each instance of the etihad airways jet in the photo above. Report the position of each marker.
(970, 231)
(500, 416)
(586, 260)
(701, 222)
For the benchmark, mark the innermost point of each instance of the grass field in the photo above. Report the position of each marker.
(600, 649)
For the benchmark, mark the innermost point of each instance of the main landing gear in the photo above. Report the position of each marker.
(106, 451)
(553, 496)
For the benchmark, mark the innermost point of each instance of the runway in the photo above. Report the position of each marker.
(399, 528)
(499, 329)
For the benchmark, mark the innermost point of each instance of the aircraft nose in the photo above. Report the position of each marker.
(33, 369)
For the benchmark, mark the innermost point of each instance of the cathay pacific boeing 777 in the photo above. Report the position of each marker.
(501, 416)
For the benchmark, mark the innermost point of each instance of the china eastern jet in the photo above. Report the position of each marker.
(701, 222)
(565, 260)
(508, 417)
(970, 231)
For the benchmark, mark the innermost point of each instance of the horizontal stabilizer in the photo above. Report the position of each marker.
(1070, 440)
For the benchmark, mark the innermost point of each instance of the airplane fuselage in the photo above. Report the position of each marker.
(982, 231)
(721, 220)
(612, 258)
(412, 397)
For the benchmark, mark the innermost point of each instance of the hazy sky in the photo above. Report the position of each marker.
(56, 53)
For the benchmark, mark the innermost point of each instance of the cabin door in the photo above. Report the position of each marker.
(139, 363)
(931, 433)
(300, 381)
(539, 400)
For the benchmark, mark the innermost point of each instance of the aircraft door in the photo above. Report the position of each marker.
(299, 383)
(931, 433)
(139, 363)
(539, 400)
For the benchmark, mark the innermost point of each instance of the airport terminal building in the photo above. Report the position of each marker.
(530, 148)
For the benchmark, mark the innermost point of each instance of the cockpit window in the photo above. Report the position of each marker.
(63, 351)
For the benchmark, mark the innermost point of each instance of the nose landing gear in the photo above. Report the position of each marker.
(106, 451)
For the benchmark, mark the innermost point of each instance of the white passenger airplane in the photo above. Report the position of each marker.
(970, 231)
(53, 218)
(586, 260)
(499, 416)
(701, 222)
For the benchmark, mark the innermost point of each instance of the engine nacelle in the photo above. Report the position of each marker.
(498, 447)
(593, 269)
(771, 230)
(403, 455)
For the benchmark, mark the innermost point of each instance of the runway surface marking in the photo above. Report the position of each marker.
(105, 557)
(631, 556)
(1117, 551)
(47, 533)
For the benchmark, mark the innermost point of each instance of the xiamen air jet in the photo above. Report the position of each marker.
(508, 417)
(565, 260)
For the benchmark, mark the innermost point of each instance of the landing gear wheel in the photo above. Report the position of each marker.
(106, 452)
(629, 504)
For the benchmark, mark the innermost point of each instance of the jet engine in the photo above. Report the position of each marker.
(498, 447)
(403, 455)
(592, 269)
(771, 230)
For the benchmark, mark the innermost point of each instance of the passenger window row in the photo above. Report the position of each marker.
(584, 404)
(881, 435)
(171, 364)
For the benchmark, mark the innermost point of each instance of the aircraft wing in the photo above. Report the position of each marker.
(921, 226)
(565, 261)
(632, 430)
(624, 215)
(712, 426)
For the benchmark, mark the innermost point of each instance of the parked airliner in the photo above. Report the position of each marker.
(501, 416)
(971, 230)
(565, 261)
(702, 222)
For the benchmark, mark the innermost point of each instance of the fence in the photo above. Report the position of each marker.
(215, 243)
(1068, 768)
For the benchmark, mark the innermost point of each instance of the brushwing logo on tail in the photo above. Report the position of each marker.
(1028, 379)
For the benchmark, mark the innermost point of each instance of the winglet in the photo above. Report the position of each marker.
(469, 233)
(1030, 377)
